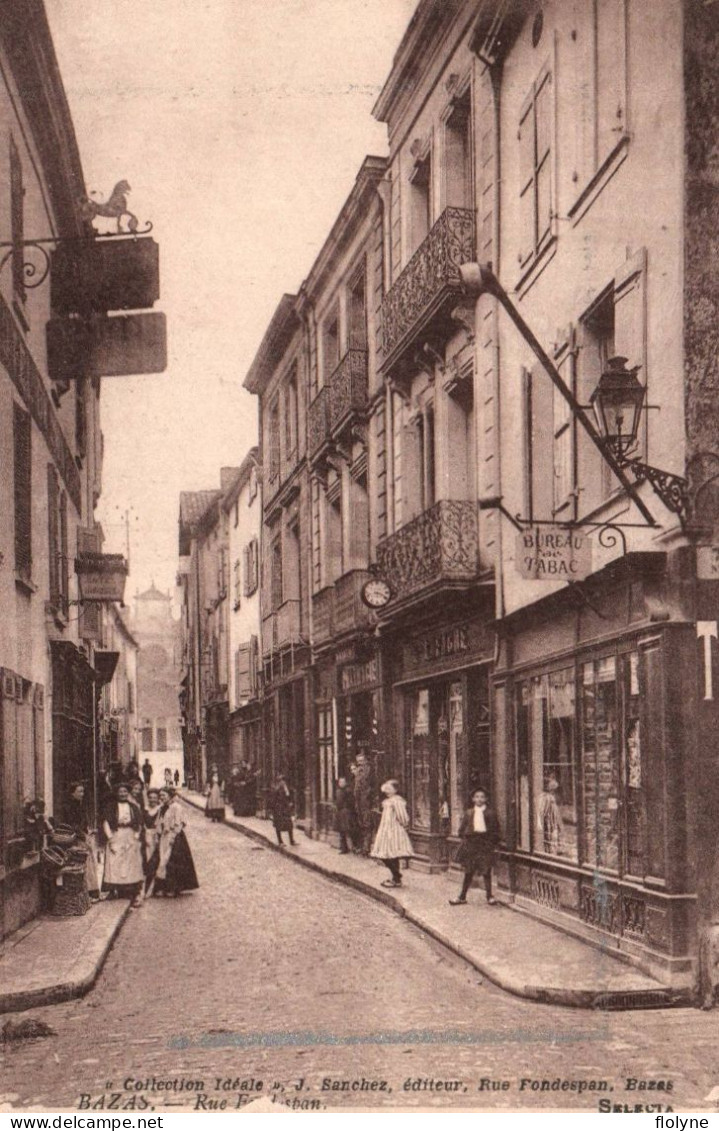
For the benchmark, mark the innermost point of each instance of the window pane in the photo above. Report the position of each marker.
(543, 115)
(556, 806)
(420, 759)
(544, 201)
(632, 759)
(526, 150)
(601, 764)
(523, 761)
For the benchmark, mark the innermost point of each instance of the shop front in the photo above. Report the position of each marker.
(442, 726)
(348, 707)
(592, 732)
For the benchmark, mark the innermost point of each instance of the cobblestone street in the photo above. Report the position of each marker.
(270, 973)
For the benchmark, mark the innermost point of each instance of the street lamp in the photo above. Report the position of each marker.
(617, 402)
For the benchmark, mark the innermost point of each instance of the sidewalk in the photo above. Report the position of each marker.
(517, 953)
(51, 960)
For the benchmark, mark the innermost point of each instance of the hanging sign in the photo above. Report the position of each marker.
(550, 552)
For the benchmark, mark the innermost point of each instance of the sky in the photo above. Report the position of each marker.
(240, 125)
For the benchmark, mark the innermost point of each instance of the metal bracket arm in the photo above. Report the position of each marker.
(479, 278)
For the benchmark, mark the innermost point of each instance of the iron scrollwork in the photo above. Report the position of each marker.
(33, 274)
(433, 267)
(671, 489)
(441, 544)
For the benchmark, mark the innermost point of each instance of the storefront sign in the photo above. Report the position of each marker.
(355, 677)
(553, 553)
(446, 648)
(101, 577)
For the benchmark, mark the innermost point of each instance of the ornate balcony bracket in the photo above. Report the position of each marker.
(463, 315)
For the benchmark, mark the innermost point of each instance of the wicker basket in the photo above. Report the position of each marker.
(63, 836)
(53, 859)
(69, 892)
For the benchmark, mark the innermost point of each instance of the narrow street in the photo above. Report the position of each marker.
(268, 973)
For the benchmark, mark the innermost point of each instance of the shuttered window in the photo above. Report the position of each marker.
(250, 556)
(535, 173)
(23, 490)
(237, 583)
(564, 494)
(17, 221)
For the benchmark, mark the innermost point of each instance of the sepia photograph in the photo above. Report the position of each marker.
(359, 558)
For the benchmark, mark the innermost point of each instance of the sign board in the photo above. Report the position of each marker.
(101, 577)
(104, 275)
(106, 347)
(550, 552)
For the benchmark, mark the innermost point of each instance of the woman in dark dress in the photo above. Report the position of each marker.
(77, 816)
(281, 807)
(176, 868)
(151, 845)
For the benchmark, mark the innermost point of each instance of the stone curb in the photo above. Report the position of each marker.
(546, 995)
(21, 1000)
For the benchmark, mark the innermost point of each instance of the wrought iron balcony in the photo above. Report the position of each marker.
(282, 627)
(428, 282)
(348, 389)
(350, 610)
(318, 424)
(438, 547)
(323, 604)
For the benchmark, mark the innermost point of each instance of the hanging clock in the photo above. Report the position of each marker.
(376, 593)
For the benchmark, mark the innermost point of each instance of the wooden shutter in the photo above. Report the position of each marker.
(542, 445)
(543, 127)
(243, 673)
(17, 220)
(630, 323)
(38, 730)
(254, 667)
(64, 562)
(527, 445)
(23, 490)
(527, 234)
(611, 75)
(563, 428)
(53, 534)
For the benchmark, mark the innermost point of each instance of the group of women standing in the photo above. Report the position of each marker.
(147, 852)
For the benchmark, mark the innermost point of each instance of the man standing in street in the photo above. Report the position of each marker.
(364, 796)
(146, 772)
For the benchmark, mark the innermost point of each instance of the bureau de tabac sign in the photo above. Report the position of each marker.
(550, 552)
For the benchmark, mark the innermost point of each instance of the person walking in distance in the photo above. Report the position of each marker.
(363, 798)
(480, 834)
(392, 842)
(281, 807)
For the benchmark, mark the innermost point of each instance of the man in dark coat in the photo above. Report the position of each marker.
(345, 816)
(480, 835)
(363, 799)
(146, 772)
(281, 807)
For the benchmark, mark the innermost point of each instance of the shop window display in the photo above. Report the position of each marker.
(546, 776)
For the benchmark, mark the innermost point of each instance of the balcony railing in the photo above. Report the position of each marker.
(318, 424)
(282, 627)
(430, 277)
(323, 604)
(348, 388)
(440, 545)
(350, 610)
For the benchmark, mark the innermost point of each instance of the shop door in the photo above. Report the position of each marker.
(419, 757)
(326, 766)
